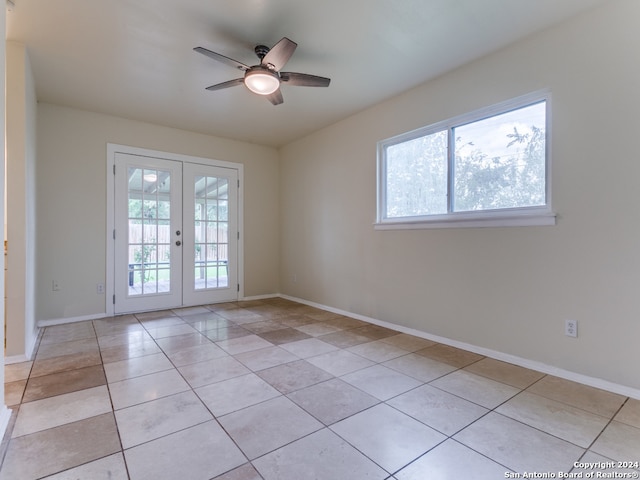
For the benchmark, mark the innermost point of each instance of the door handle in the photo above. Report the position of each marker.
(178, 243)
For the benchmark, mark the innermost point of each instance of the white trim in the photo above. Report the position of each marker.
(112, 149)
(505, 357)
(512, 218)
(5, 418)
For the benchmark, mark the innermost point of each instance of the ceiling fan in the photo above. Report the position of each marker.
(265, 79)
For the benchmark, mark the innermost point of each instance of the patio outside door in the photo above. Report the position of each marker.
(175, 233)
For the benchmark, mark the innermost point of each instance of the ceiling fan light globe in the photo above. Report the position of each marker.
(262, 82)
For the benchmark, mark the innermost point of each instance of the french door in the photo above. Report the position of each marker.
(175, 233)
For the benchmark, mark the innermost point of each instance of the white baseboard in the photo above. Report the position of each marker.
(505, 357)
(5, 417)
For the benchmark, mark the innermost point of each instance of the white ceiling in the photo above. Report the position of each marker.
(135, 58)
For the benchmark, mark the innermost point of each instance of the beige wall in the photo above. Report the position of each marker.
(20, 197)
(504, 289)
(71, 183)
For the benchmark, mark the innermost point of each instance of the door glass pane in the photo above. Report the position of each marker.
(149, 234)
(211, 218)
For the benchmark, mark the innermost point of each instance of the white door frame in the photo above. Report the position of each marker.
(112, 149)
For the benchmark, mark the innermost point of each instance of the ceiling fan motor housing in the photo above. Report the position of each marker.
(261, 51)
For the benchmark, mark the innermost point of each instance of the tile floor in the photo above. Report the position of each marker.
(273, 389)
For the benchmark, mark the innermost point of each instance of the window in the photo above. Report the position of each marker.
(486, 168)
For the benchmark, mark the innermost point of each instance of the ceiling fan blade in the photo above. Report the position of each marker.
(304, 80)
(280, 54)
(227, 84)
(276, 97)
(221, 58)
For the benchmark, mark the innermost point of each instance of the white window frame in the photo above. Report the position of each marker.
(521, 216)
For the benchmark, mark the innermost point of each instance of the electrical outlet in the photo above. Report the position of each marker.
(100, 288)
(55, 286)
(571, 328)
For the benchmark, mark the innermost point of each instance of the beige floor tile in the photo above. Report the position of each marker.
(322, 456)
(65, 363)
(450, 355)
(243, 472)
(517, 446)
(32, 456)
(344, 339)
(293, 376)
(240, 316)
(345, 323)
(107, 468)
(148, 387)
(374, 332)
(419, 367)
(235, 394)
(244, 344)
(318, 329)
(333, 400)
(60, 410)
(212, 371)
(564, 421)
(265, 358)
(170, 331)
(180, 342)
(136, 367)
(263, 326)
(201, 452)
(123, 352)
(203, 325)
(438, 409)
(86, 345)
(269, 425)
(619, 442)
(198, 353)
(227, 333)
(143, 316)
(585, 397)
(340, 362)
(476, 389)
(381, 382)
(377, 351)
(503, 372)
(13, 392)
(64, 382)
(186, 311)
(65, 333)
(388, 437)
(161, 322)
(630, 413)
(284, 336)
(150, 420)
(309, 347)
(116, 325)
(410, 343)
(131, 339)
(294, 321)
(451, 460)
(17, 371)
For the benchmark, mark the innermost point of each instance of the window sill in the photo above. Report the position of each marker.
(470, 220)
